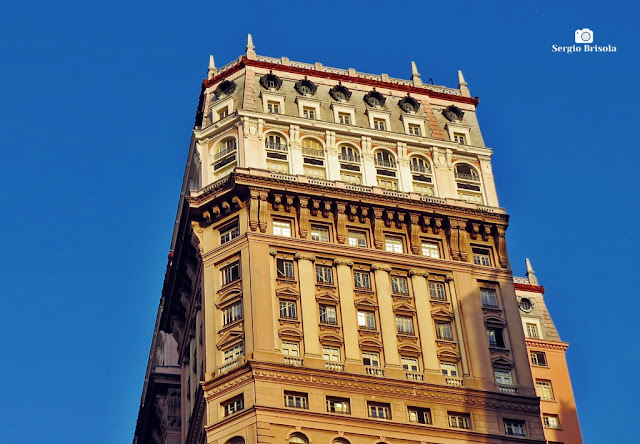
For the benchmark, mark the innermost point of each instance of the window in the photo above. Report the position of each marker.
(481, 256)
(331, 354)
(410, 364)
(311, 147)
(362, 280)
(233, 353)
(349, 154)
(371, 358)
(385, 159)
(532, 331)
(436, 291)
(379, 410)
(296, 400)
(539, 359)
(404, 325)
(315, 172)
(514, 427)
(357, 239)
(389, 184)
(431, 249)
(229, 233)
(351, 177)
(324, 274)
(551, 421)
(443, 331)
(308, 112)
(503, 377)
(231, 273)
(449, 369)
(468, 183)
(344, 118)
(459, 420)
(414, 129)
(419, 165)
(544, 390)
(284, 268)
(282, 167)
(282, 228)
(366, 319)
(459, 138)
(290, 348)
(232, 313)
(489, 298)
(298, 438)
(379, 124)
(233, 405)
(338, 405)
(393, 244)
(495, 336)
(288, 309)
(328, 315)
(273, 107)
(275, 142)
(319, 233)
(419, 415)
(399, 285)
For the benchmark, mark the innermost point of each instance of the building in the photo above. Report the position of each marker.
(548, 363)
(338, 271)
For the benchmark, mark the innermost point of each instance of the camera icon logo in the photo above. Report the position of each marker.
(584, 35)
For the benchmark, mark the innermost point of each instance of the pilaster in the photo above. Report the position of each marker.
(387, 319)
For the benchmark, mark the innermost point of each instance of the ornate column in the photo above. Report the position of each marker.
(501, 245)
(425, 322)
(341, 227)
(348, 309)
(262, 213)
(303, 216)
(415, 230)
(387, 318)
(254, 205)
(308, 304)
(378, 223)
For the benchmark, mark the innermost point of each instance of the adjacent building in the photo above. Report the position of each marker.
(338, 270)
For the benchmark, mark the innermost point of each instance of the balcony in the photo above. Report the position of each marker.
(230, 148)
(335, 366)
(227, 367)
(414, 376)
(420, 169)
(507, 388)
(374, 371)
(385, 163)
(275, 146)
(354, 158)
(315, 152)
(466, 176)
(293, 360)
(454, 382)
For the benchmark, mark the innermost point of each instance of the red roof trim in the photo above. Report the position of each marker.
(528, 287)
(341, 78)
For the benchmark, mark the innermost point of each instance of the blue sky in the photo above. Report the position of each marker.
(98, 101)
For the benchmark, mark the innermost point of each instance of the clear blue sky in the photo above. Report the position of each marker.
(98, 101)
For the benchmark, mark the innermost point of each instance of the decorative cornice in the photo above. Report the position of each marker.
(529, 287)
(547, 344)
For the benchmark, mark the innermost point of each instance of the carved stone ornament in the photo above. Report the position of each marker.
(409, 104)
(340, 93)
(347, 262)
(307, 257)
(305, 87)
(271, 82)
(418, 272)
(381, 267)
(453, 113)
(225, 88)
(374, 99)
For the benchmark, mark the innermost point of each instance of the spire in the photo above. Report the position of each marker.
(212, 71)
(531, 275)
(415, 75)
(462, 85)
(250, 50)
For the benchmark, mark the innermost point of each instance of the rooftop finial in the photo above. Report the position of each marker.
(212, 71)
(415, 75)
(531, 275)
(250, 50)
(462, 85)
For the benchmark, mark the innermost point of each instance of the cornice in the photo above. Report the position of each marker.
(529, 287)
(551, 345)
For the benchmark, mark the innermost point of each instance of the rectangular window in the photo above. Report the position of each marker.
(282, 228)
(328, 315)
(288, 309)
(393, 244)
(459, 138)
(544, 390)
(459, 420)
(233, 353)
(481, 256)
(514, 427)
(351, 178)
(404, 325)
(399, 285)
(414, 130)
(532, 331)
(539, 359)
(315, 172)
(409, 364)
(285, 269)
(273, 107)
(324, 274)
(282, 167)
(228, 234)
(489, 297)
(308, 113)
(230, 273)
(389, 184)
(362, 280)
(232, 313)
(436, 291)
(379, 410)
(419, 415)
(551, 421)
(444, 331)
(357, 239)
(233, 405)
(379, 124)
(496, 339)
(431, 249)
(290, 348)
(344, 118)
(224, 112)
(449, 369)
(338, 405)
(331, 354)
(371, 358)
(296, 400)
(319, 233)
(503, 377)
(366, 319)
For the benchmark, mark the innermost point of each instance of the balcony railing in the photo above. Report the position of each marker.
(312, 152)
(292, 360)
(374, 371)
(349, 157)
(414, 376)
(385, 163)
(455, 382)
(507, 388)
(229, 366)
(420, 169)
(223, 152)
(275, 146)
(335, 366)
(465, 176)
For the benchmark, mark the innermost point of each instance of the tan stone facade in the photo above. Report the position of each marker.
(339, 271)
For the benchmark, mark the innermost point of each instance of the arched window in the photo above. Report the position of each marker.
(313, 158)
(350, 169)
(386, 170)
(298, 438)
(421, 175)
(277, 153)
(340, 441)
(225, 157)
(468, 183)
(236, 440)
